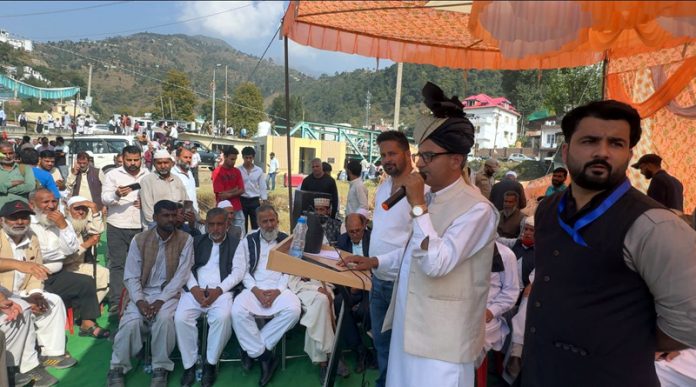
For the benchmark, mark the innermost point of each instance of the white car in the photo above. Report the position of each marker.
(519, 157)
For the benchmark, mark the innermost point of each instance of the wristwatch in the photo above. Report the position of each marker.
(418, 210)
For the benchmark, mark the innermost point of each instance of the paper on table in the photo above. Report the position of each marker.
(328, 254)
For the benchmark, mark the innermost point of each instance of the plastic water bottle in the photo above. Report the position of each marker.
(298, 237)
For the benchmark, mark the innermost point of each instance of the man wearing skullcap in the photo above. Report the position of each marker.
(509, 183)
(331, 226)
(437, 312)
(160, 185)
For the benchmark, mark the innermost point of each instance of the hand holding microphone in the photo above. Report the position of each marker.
(412, 188)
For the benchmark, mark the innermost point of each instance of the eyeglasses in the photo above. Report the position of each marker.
(429, 156)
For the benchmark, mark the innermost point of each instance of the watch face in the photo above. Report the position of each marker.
(417, 211)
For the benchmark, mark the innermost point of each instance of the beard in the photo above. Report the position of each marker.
(269, 235)
(42, 218)
(15, 231)
(184, 166)
(583, 177)
(132, 167)
(556, 183)
(163, 172)
(508, 211)
(79, 225)
(7, 161)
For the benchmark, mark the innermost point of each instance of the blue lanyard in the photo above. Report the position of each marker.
(574, 231)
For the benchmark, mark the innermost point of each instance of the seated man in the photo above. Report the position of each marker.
(158, 264)
(331, 226)
(356, 241)
(513, 359)
(265, 294)
(86, 220)
(186, 221)
(234, 231)
(503, 293)
(58, 240)
(208, 290)
(21, 274)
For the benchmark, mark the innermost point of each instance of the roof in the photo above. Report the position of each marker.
(540, 115)
(485, 101)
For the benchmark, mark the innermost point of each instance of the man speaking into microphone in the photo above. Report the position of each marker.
(437, 309)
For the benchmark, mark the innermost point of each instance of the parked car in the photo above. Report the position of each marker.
(519, 157)
(208, 157)
(103, 147)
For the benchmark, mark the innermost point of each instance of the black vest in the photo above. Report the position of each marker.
(527, 257)
(254, 243)
(203, 246)
(590, 319)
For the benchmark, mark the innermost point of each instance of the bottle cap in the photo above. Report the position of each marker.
(302, 219)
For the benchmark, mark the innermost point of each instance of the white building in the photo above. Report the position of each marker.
(24, 44)
(495, 120)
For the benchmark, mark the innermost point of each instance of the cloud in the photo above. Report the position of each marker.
(246, 20)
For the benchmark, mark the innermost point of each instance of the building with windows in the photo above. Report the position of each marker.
(495, 120)
(24, 44)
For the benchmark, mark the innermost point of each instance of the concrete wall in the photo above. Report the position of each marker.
(333, 152)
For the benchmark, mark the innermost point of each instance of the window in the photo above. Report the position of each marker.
(551, 139)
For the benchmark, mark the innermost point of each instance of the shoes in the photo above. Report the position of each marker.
(365, 359)
(39, 375)
(269, 363)
(342, 369)
(20, 380)
(189, 377)
(58, 362)
(247, 362)
(323, 371)
(159, 377)
(209, 375)
(115, 378)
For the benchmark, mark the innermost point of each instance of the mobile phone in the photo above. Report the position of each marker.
(134, 186)
(188, 205)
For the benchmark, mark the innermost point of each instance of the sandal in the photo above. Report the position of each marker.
(101, 334)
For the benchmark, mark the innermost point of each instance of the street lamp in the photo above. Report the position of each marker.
(213, 114)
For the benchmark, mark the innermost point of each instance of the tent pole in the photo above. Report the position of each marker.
(397, 99)
(287, 124)
(604, 74)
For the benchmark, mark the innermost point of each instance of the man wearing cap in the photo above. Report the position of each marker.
(509, 183)
(255, 191)
(86, 220)
(484, 179)
(523, 247)
(16, 180)
(319, 181)
(233, 231)
(58, 241)
(664, 188)
(160, 185)
(84, 180)
(615, 270)
(22, 274)
(331, 226)
(438, 306)
(120, 195)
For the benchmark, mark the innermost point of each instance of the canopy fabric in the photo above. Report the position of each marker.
(25, 90)
(495, 35)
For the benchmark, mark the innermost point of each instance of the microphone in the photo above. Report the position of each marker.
(397, 196)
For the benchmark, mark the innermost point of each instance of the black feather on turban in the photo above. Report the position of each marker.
(448, 127)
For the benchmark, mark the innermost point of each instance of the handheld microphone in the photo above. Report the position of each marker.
(395, 198)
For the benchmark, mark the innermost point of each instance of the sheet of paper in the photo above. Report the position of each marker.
(328, 254)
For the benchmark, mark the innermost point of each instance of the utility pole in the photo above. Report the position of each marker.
(89, 89)
(367, 110)
(226, 99)
(495, 139)
(213, 113)
(397, 99)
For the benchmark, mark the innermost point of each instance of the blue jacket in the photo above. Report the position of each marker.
(344, 243)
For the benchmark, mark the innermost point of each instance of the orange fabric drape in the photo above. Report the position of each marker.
(662, 96)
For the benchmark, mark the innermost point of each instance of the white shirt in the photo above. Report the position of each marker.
(261, 278)
(174, 133)
(390, 233)
(209, 274)
(56, 244)
(254, 182)
(357, 248)
(18, 254)
(357, 196)
(273, 166)
(121, 211)
(195, 159)
(189, 184)
(505, 285)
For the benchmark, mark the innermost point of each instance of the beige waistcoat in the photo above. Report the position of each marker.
(31, 253)
(445, 315)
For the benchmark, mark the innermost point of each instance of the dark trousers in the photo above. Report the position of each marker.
(249, 206)
(356, 311)
(118, 241)
(380, 297)
(77, 291)
(194, 171)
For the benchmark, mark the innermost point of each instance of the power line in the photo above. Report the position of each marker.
(139, 29)
(262, 55)
(63, 10)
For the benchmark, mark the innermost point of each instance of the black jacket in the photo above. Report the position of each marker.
(344, 243)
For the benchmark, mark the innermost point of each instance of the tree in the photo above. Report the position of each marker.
(247, 108)
(277, 109)
(206, 110)
(177, 97)
(565, 89)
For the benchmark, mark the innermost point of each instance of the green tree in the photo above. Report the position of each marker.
(277, 109)
(177, 97)
(206, 110)
(565, 89)
(247, 108)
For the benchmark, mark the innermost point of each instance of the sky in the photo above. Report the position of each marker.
(247, 26)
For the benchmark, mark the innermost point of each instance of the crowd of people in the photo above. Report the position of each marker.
(593, 288)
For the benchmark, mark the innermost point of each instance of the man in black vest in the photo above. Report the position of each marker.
(208, 290)
(664, 188)
(615, 270)
(84, 180)
(265, 294)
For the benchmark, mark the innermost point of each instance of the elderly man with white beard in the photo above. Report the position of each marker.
(21, 273)
(265, 294)
(58, 241)
(86, 220)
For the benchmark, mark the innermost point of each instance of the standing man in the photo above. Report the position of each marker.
(30, 158)
(228, 184)
(61, 153)
(47, 162)
(558, 179)
(159, 263)
(437, 311)
(159, 185)
(16, 180)
(84, 180)
(120, 196)
(484, 179)
(615, 270)
(501, 188)
(273, 167)
(182, 170)
(511, 218)
(357, 193)
(664, 188)
(195, 162)
(254, 188)
(319, 181)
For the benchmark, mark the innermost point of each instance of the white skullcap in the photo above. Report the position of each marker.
(90, 154)
(529, 221)
(76, 199)
(511, 173)
(161, 154)
(224, 204)
(319, 202)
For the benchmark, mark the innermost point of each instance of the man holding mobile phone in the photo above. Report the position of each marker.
(84, 180)
(120, 196)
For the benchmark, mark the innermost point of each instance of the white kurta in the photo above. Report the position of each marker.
(680, 372)
(505, 288)
(466, 236)
(319, 336)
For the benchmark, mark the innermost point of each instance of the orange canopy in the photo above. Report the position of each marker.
(491, 34)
